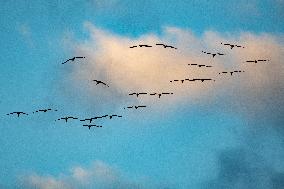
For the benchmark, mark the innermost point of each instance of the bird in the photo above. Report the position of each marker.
(66, 118)
(213, 54)
(140, 94)
(202, 80)
(133, 46)
(160, 94)
(145, 46)
(166, 46)
(18, 113)
(137, 94)
(136, 107)
(255, 61)
(87, 119)
(232, 45)
(92, 126)
(72, 59)
(44, 110)
(231, 72)
(100, 82)
(111, 116)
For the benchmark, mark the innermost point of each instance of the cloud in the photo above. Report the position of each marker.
(127, 70)
(240, 168)
(98, 175)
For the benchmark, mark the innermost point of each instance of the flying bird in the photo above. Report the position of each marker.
(111, 116)
(72, 59)
(166, 46)
(231, 72)
(137, 94)
(18, 113)
(100, 82)
(232, 45)
(136, 107)
(160, 94)
(92, 126)
(200, 65)
(213, 54)
(256, 61)
(145, 46)
(44, 110)
(88, 119)
(66, 118)
(133, 46)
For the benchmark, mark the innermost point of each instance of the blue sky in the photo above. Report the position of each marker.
(229, 137)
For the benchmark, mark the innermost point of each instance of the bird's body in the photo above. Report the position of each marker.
(213, 54)
(72, 59)
(100, 82)
(145, 46)
(18, 113)
(232, 45)
(166, 46)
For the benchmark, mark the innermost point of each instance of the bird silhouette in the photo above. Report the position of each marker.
(133, 46)
(137, 94)
(43, 110)
(231, 72)
(160, 94)
(213, 54)
(145, 46)
(100, 82)
(92, 126)
(88, 119)
(166, 46)
(114, 115)
(136, 107)
(232, 45)
(66, 118)
(202, 80)
(18, 113)
(72, 59)
(256, 61)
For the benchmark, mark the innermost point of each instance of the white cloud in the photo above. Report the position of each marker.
(98, 175)
(109, 58)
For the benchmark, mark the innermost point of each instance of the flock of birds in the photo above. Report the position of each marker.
(138, 94)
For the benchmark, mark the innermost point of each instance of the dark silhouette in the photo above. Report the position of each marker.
(201, 65)
(231, 72)
(18, 113)
(166, 46)
(232, 45)
(100, 82)
(72, 59)
(145, 46)
(133, 46)
(44, 110)
(111, 116)
(66, 118)
(88, 119)
(92, 126)
(255, 61)
(160, 94)
(213, 54)
(136, 107)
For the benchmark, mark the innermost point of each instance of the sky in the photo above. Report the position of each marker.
(226, 133)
